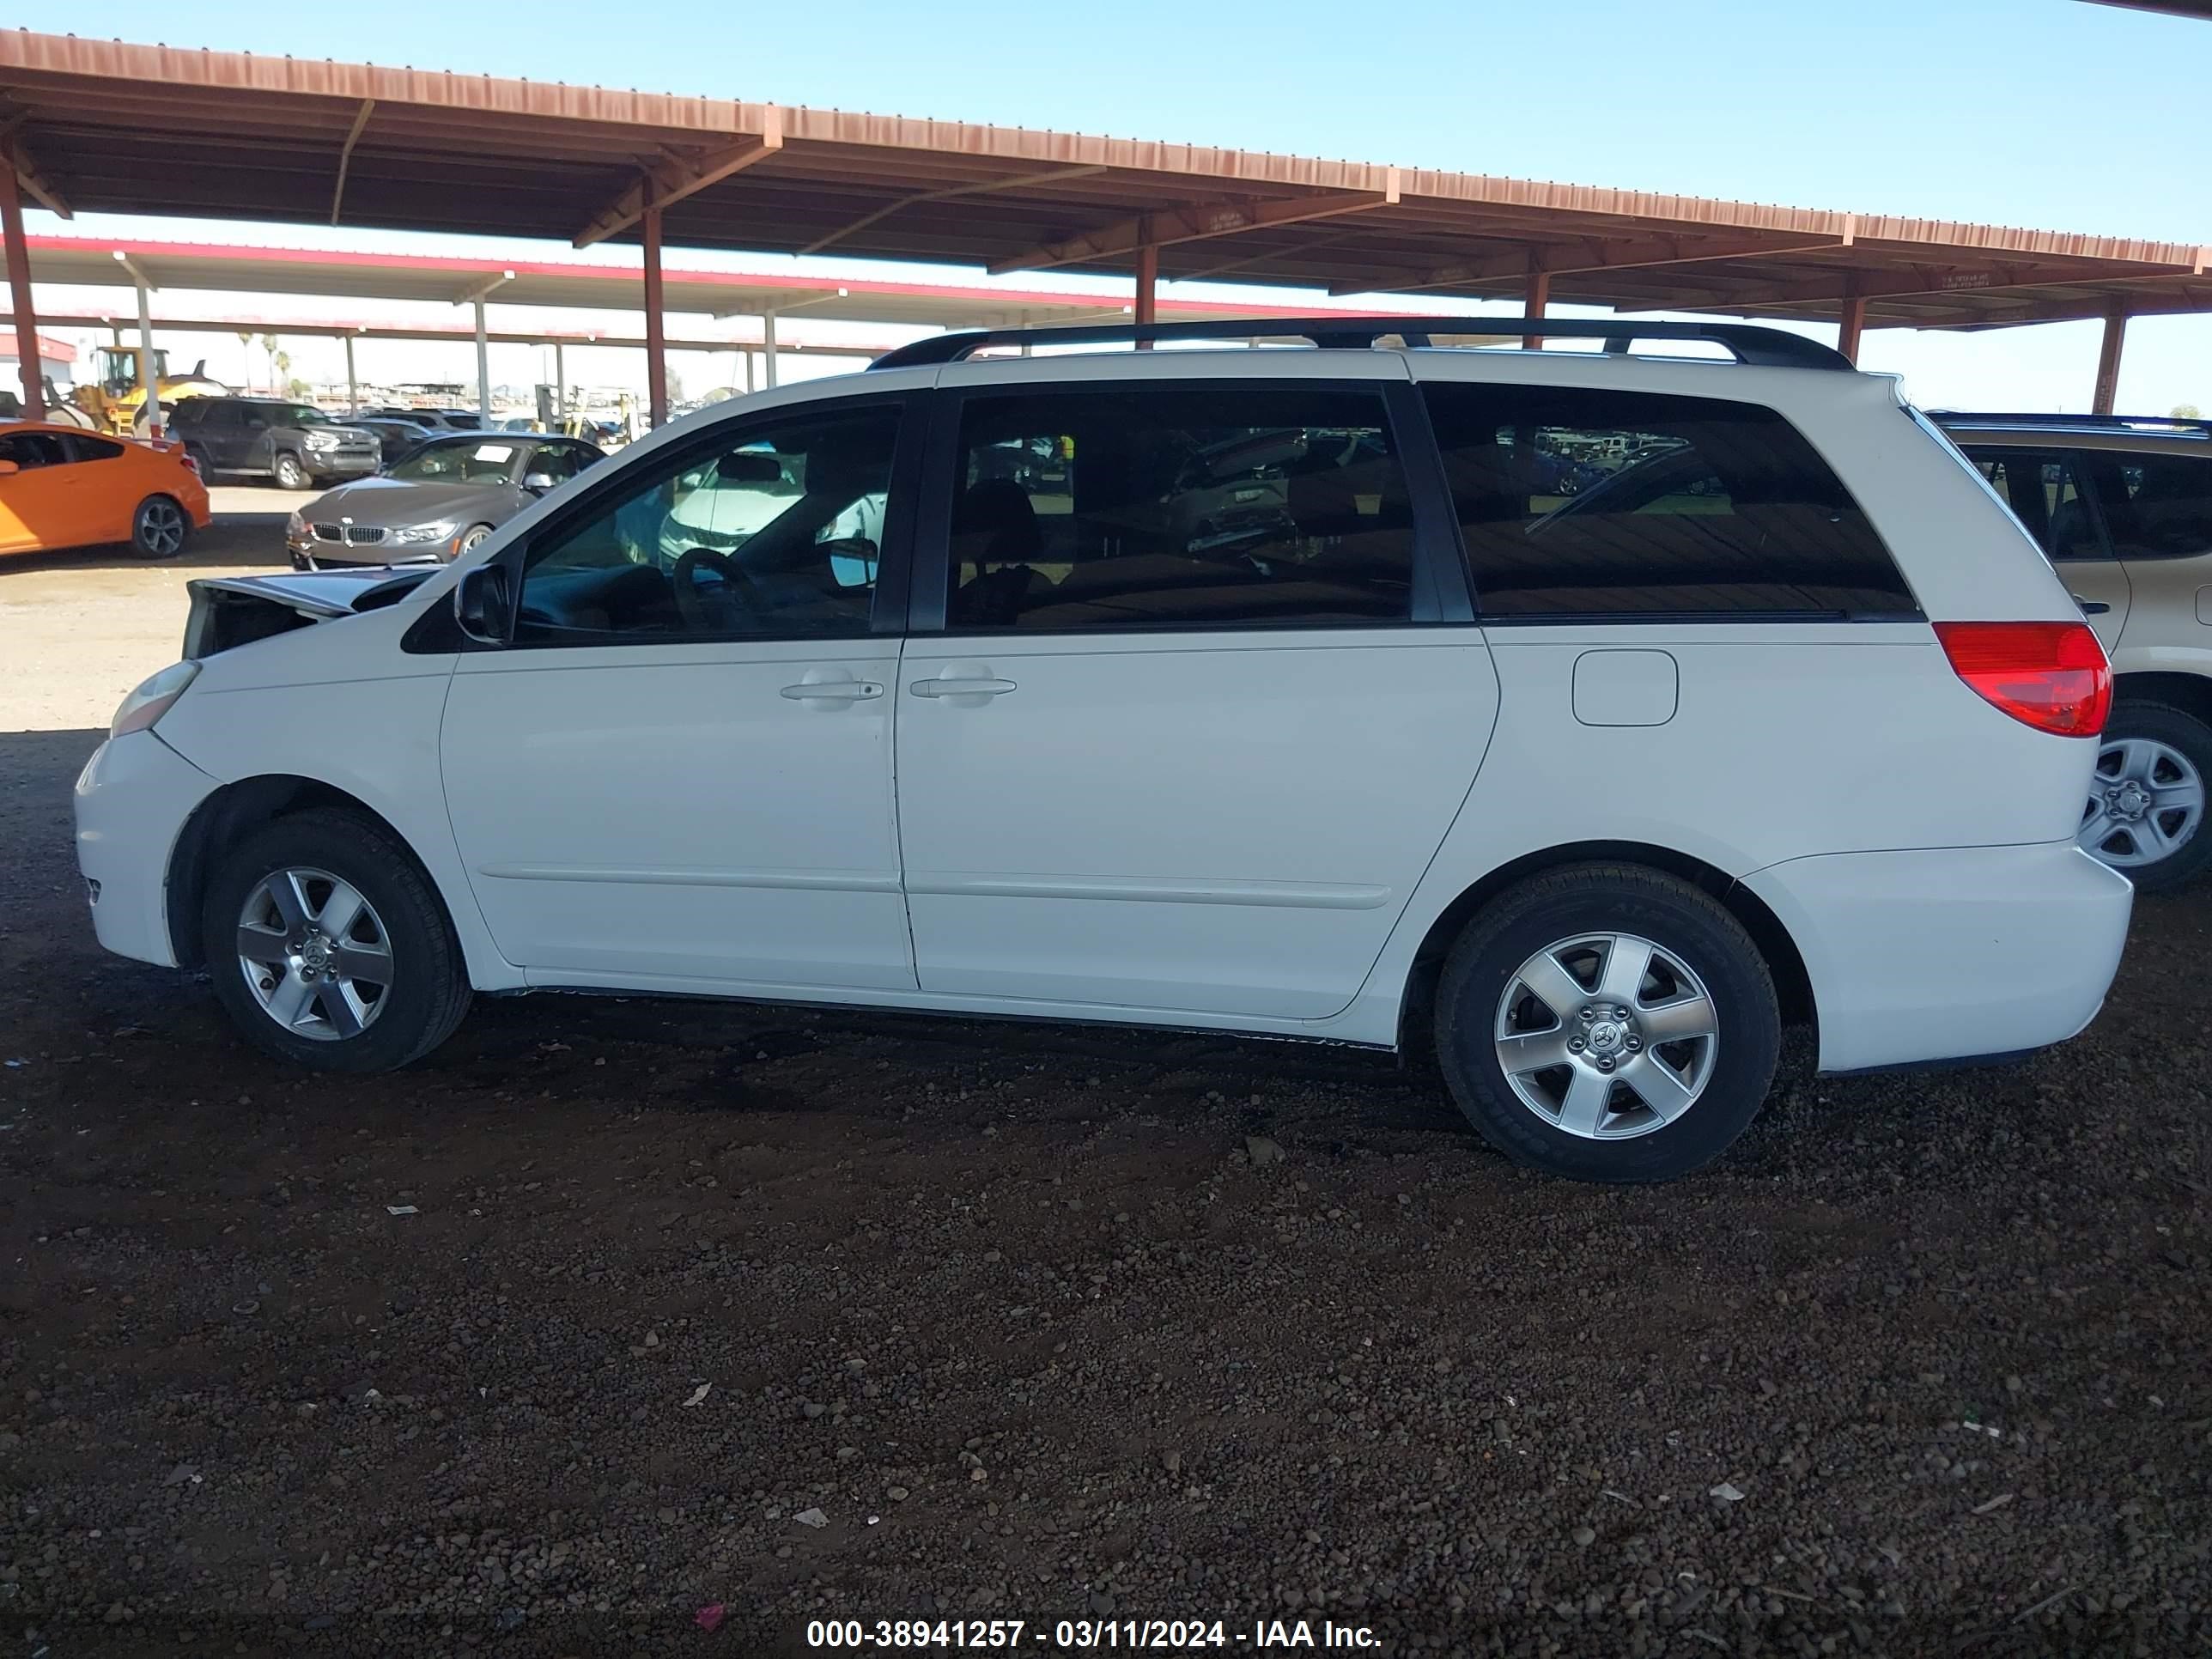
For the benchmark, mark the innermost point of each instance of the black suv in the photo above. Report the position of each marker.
(295, 444)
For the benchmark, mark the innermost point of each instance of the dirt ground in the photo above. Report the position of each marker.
(612, 1313)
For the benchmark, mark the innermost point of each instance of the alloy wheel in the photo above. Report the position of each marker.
(315, 954)
(161, 528)
(1607, 1036)
(2146, 800)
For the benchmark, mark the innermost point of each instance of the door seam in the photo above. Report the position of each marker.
(898, 820)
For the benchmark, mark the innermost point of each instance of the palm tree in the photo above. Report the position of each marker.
(269, 350)
(246, 349)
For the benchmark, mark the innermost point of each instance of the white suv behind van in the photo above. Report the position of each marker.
(1582, 716)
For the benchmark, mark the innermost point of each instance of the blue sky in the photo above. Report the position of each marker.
(2050, 113)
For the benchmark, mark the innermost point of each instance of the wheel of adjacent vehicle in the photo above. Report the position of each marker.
(290, 474)
(470, 539)
(1608, 1023)
(2145, 814)
(159, 528)
(329, 947)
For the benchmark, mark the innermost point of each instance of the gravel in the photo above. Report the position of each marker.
(1040, 1322)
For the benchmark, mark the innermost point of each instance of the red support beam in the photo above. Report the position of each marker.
(1537, 296)
(1148, 283)
(2108, 360)
(656, 340)
(19, 289)
(1851, 326)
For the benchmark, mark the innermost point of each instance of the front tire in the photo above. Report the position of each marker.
(328, 946)
(290, 474)
(159, 528)
(1608, 1023)
(470, 539)
(2146, 806)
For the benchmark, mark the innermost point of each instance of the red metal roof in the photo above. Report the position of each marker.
(91, 261)
(140, 129)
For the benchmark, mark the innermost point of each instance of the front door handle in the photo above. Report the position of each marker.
(827, 694)
(948, 686)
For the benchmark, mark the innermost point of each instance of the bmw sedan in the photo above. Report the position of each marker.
(440, 501)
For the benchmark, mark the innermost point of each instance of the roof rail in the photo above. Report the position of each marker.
(2180, 424)
(1764, 347)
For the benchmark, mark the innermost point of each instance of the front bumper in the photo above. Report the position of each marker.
(1950, 953)
(133, 800)
(339, 463)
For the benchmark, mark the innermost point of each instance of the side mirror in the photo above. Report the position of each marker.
(9, 469)
(481, 603)
(539, 482)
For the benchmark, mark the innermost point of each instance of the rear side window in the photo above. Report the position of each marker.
(89, 449)
(1182, 505)
(1576, 503)
(2045, 494)
(2156, 506)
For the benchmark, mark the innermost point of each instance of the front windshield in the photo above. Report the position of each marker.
(472, 460)
(303, 414)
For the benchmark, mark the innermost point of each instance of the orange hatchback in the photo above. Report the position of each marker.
(62, 486)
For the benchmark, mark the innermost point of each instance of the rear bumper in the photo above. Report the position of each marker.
(133, 800)
(1952, 952)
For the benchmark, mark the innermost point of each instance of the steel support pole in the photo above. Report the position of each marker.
(1534, 299)
(483, 368)
(2108, 360)
(1146, 309)
(560, 387)
(149, 381)
(353, 381)
(768, 348)
(28, 361)
(1849, 327)
(656, 346)
(748, 356)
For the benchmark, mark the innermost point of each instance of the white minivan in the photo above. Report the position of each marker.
(1584, 716)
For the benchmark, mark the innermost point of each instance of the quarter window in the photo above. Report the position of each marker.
(1577, 502)
(774, 533)
(1179, 506)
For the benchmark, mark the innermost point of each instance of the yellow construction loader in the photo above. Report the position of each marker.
(114, 399)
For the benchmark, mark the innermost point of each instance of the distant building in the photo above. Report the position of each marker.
(56, 359)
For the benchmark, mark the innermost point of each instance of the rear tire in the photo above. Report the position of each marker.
(159, 528)
(2168, 752)
(1698, 1031)
(392, 986)
(290, 474)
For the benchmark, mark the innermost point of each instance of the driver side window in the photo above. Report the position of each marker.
(774, 531)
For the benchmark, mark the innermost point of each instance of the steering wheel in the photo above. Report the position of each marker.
(721, 612)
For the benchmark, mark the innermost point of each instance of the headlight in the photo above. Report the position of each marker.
(152, 699)
(295, 525)
(426, 533)
(319, 439)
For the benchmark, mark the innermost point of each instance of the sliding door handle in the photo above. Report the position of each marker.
(947, 686)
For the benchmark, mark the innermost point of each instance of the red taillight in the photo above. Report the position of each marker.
(2051, 676)
(190, 466)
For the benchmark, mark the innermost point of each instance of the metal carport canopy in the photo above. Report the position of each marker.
(100, 262)
(124, 128)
